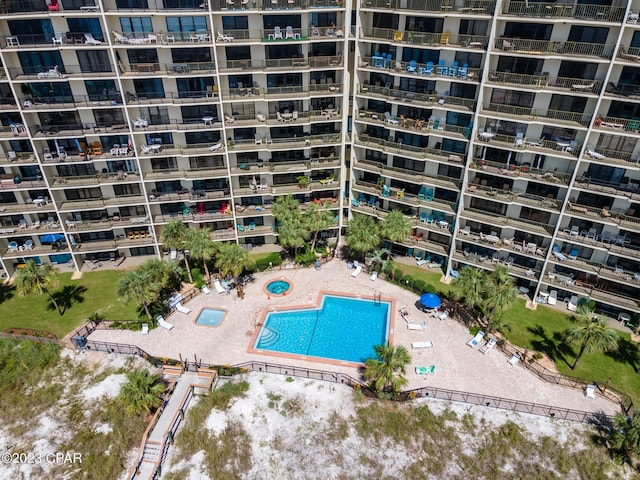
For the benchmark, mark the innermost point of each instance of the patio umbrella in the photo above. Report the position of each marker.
(51, 237)
(430, 300)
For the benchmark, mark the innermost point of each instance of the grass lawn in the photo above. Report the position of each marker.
(430, 277)
(262, 259)
(94, 292)
(541, 330)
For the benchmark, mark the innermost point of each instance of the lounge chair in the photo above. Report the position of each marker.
(218, 286)
(145, 329)
(163, 323)
(553, 297)
(421, 344)
(430, 370)
(444, 315)
(514, 359)
(590, 391)
(182, 309)
(487, 347)
(373, 276)
(417, 326)
(475, 341)
(205, 290)
(357, 271)
(421, 262)
(573, 303)
(558, 254)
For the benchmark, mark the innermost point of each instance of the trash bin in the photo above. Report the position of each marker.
(318, 264)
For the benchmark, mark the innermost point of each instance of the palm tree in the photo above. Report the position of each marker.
(500, 293)
(624, 437)
(285, 207)
(387, 371)
(232, 259)
(362, 234)
(292, 231)
(175, 235)
(316, 219)
(167, 275)
(469, 288)
(395, 227)
(142, 393)
(38, 279)
(593, 334)
(138, 285)
(202, 247)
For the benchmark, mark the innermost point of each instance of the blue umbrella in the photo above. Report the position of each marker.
(51, 237)
(430, 300)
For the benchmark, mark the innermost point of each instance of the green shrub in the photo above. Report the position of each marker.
(397, 275)
(197, 275)
(407, 282)
(307, 258)
(429, 288)
(420, 286)
(388, 268)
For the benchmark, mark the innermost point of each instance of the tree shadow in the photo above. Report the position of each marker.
(66, 297)
(553, 346)
(627, 352)
(6, 292)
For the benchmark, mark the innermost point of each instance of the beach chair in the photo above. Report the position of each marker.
(163, 323)
(475, 341)
(514, 359)
(430, 370)
(553, 297)
(590, 391)
(412, 67)
(373, 276)
(487, 347)
(421, 344)
(558, 254)
(357, 271)
(182, 309)
(218, 286)
(444, 315)
(145, 329)
(416, 326)
(421, 262)
(206, 290)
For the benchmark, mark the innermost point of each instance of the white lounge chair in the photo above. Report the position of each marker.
(218, 286)
(514, 359)
(206, 290)
(215, 146)
(417, 326)
(182, 309)
(553, 297)
(421, 262)
(475, 341)
(224, 37)
(163, 323)
(173, 255)
(145, 329)
(90, 40)
(357, 271)
(444, 315)
(373, 276)
(421, 344)
(573, 303)
(590, 391)
(487, 347)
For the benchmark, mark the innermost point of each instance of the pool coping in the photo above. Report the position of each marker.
(226, 314)
(279, 279)
(316, 304)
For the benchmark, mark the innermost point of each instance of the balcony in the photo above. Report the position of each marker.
(285, 93)
(408, 175)
(485, 262)
(520, 172)
(562, 117)
(177, 174)
(471, 7)
(72, 206)
(545, 82)
(377, 64)
(443, 206)
(272, 5)
(423, 38)
(630, 190)
(77, 181)
(511, 197)
(14, 181)
(419, 99)
(430, 127)
(420, 153)
(630, 54)
(537, 228)
(597, 13)
(287, 143)
(554, 48)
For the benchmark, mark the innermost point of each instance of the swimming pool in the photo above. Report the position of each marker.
(342, 328)
(210, 317)
(278, 287)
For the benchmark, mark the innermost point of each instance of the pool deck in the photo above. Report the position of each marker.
(458, 366)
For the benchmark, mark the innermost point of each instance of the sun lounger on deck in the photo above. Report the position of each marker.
(421, 344)
(487, 347)
(475, 341)
(145, 329)
(218, 286)
(163, 323)
(430, 370)
(357, 271)
(514, 359)
(417, 326)
(182, 309)
(206, 290)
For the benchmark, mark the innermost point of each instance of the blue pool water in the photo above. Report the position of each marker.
(278, 287)
(343, 328)
(210, 317)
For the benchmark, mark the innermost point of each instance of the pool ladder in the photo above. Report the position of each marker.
(268, 337)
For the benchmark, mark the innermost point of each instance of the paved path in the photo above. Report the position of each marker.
(458, 367)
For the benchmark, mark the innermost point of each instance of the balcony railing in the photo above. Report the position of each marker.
(238, 5)
(517, 223)
(74, 181)
(469, 7)
(415, 152)
(597, 13)
(444, 206)
(74, 205)
(617, 124)
(285, 92)
(433, 126)
(549, 47)
(521, 171)
(631, 54)
(577, 85)
(423, 38)
(418, 98)
(408, 175)
(561, 116)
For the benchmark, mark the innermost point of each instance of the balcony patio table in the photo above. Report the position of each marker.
(492, 238)
(486, 136)
(207, 120)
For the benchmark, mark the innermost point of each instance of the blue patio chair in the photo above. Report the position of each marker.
(429, 195)
(355, 203)
(443, 69)
(427, 69)
(423, 217)
(462, 71)
(453, 70)
(362, 199)
(372, 201)
(385, 191)
(252, 226)
(422, 193)
(386, 61)
(573, 255)
(412, 67)
(419, 256)
(431, 219)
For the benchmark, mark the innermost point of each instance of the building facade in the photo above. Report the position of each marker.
(506, 131)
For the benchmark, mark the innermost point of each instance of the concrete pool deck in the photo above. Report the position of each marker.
(458, 366)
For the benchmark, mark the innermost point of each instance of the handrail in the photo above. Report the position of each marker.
(593, 13)
(552, 47)
(544, 81)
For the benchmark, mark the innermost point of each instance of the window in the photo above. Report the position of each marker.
(93, 60)
(408, 164)
(235, 23)
(244, 108)
(159, 138)
(529, 31)
(186, 24)
(132, 4)
(285, 80)
(238, 53)
(86, 25)
(473, 27)
(163, 164)
(108, 118)
(32, 31)
(193, 87)
(147, 55)
(149, 88)
(421, 55)
(51, 92)
(126, 189)
(83, 193)
(191, 4)
(195, 113)
(524, 65)
(569, 69)
(156, 115)
(100, 90)
(34, 62)
(191, 55)
(136, 27)
(421, 24)
(283, 51)
(588, 34)
(323, 19)
(281, 21)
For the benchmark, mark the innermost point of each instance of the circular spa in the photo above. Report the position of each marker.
(278, 287)
(210, 317)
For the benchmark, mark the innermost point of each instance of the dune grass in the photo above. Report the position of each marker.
(94, 292)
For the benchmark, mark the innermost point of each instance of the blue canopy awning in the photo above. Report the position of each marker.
(430, 300)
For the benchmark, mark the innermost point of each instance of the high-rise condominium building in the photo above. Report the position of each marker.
(506, 131)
